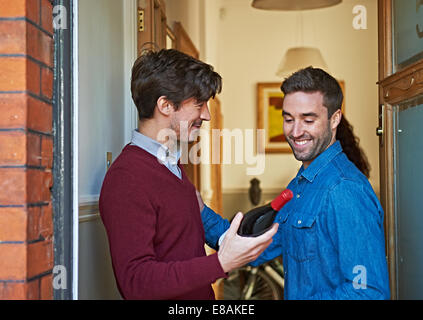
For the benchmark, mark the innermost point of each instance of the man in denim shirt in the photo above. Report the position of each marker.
(331, 233)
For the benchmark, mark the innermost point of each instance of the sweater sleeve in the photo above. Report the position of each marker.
(130, 221)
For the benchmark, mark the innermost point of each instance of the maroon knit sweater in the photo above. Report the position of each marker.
(155, 232)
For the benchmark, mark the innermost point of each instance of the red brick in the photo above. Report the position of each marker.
(12, 148)
(12, 187)
(15, 8)
(46, 287)
(47, 152)
(18, 110)
(33, 290)
(21, 37)
(40, 258)
(13, 262)
(19, 74)
(20, 290)
(39, 183)
(47, 15)
(33, 149)
(48, 181)
(40, 115)
(13, 290)
(33, 77)
(23, 186)
(33, 225)
(39, 45)
(34, 191)
(18, 148)
(13, 74)
(13, 224)
(12, 37)
(20, 8)
(32, 11)
(47, 83)
(46, 222)
(13, 111)
(40, 222)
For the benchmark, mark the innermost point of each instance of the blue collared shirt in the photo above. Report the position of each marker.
(330, 234)
(160, 151)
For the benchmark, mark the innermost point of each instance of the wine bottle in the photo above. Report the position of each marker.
(259, 220)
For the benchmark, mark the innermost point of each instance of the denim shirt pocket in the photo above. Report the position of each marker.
(302, 244)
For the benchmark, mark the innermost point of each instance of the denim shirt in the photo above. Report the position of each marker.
(330, 234)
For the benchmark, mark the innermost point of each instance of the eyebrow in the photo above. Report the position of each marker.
(309, 114)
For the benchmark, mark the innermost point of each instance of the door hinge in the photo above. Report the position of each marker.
(140, 20)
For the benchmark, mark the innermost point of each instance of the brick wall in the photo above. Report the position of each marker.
(26, 149)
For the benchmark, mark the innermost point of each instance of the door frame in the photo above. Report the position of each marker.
(130, 11)
(394, 87)
(63, 190)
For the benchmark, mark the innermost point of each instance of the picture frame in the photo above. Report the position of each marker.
(269, 117)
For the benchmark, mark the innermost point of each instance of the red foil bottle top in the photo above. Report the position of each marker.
(281, 199)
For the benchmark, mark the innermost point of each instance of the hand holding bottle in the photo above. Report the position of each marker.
(258, 220)
(236, 251)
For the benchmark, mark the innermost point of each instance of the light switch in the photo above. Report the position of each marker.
(108, 160)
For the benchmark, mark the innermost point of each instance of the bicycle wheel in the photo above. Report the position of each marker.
(263, 287)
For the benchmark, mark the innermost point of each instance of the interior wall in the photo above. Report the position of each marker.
(101, 129)
(251, 45)
(101, 88)
(188, 13)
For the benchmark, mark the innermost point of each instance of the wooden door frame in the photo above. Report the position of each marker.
(393, 89)
(386, 139)
(154, 24)
(216, 168)
(184, 44)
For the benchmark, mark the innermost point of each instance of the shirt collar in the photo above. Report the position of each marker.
(160, 151)
(320, 162)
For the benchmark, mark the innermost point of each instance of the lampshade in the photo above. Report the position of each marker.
(299, 58)
(293, 4)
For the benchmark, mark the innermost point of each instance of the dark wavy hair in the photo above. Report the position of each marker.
(172, 74)
(316, 80)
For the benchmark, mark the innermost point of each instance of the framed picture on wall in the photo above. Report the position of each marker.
(269, 117)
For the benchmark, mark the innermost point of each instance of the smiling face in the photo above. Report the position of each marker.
(306, 126)
(187, 120)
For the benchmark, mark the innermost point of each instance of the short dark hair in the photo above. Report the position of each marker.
(316, 80)
(172, 74)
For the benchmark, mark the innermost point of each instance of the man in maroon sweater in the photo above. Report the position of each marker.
(148, 205)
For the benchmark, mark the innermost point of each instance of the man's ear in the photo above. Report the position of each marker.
(164, 106)
(336, 119)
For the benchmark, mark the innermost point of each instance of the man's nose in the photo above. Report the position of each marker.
(297, 130)
(205, 113)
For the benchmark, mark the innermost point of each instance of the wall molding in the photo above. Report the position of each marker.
(88, 211)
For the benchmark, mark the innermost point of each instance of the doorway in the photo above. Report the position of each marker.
(401, 113)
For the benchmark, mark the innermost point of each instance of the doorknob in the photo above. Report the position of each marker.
(380, 128)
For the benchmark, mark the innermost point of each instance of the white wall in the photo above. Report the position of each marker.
(101, 88)
(188, 13)
(104, 64)
(251, 45)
